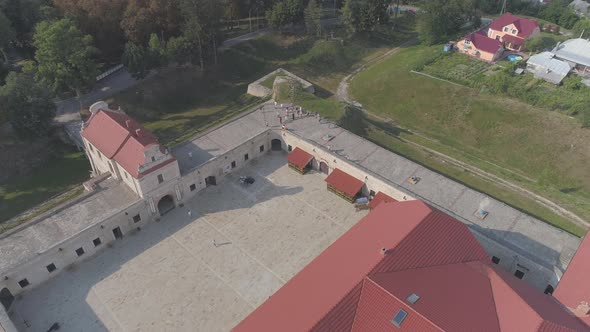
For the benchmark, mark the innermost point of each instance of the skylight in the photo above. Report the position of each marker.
(413, 298)
(399, 318)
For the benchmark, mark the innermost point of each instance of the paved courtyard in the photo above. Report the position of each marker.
(204, 272)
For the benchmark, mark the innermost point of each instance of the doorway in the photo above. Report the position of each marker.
(276, 145)
(166, 204)
(6, 298)
(324, 168)
(210, 181)
(117, 233)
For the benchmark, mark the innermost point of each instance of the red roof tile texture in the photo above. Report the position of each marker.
(381, 198)
(120, 138)
(482, 42)
(573, 289)
(524, 26)
(364, 278)
(299, 158)
(344, 182)
(513, 40)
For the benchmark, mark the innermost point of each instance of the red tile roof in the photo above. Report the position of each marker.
(344, 182)
(482, 42)
(524, 26)
(120, 138)
(573, 289)
(355, 286)
(380, 198)
(513, 39)
(299, 158)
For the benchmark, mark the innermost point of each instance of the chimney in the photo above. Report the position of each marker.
(128, 124)
(137, 132)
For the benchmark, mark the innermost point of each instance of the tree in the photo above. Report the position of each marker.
(7, 35)
(313, 15)
(138, 22)
(136, 60)
(364, 15)
(540, 43)
(582, 28)
(441, 20)
(202, 20)
(64, 56)
(28, 106)
(285, 12)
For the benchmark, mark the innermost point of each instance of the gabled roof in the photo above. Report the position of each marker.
(482, 42)
(333, 279)
(299, 158)
(120, 138)
(355, 285)
(344, 182)
(573, 289)
(524, 26)
(513, 39)
(575, 50)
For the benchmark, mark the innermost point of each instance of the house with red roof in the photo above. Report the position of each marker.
(117, 144)
(408, 267)
(513, 31)
(507, 32)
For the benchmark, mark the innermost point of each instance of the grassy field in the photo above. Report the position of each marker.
(540, 150)
(67, 169)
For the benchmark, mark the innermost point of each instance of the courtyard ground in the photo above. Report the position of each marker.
(201, 273)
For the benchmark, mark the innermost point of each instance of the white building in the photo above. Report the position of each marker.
(544, 66)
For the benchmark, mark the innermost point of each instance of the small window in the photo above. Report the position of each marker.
(23, 283)
(372, 193)
(51, 267)
(136, 218)
(519, 274)
(246, 157)
(513, 31)
(111, 168)
(289, 148)
(233, 164)
(99, 154)
(160, 178)
(153, 159)
(495, 260)
(413, 298)
(505, 29)
(90, 147)
(193, 187)
(399, 318)
(97, 242)
(549, 290)
(262, 148)
(126, 176)
(80, 251)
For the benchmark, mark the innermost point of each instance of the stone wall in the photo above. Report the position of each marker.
(257, 89)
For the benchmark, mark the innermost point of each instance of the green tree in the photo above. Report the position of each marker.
(441, 20)
(364, 15)
(313, 15)
(64, 56)
(202, 20)
(582, 28)
(28, 106)
(278, 16)
(7, 35)
(157, 52)
(540, 43)
(136, 59)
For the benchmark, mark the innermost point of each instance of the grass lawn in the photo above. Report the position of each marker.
(540, 150)
(68, 169)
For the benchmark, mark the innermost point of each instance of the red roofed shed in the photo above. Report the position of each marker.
(299, 160)
(344, 185)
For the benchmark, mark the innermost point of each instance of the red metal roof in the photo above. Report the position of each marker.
(356, 286)
(299, 158)
(331, 278)
(120, 138)
(524, 26)
(573, 289)
(380, 198)
(482, 42)
(344, 182)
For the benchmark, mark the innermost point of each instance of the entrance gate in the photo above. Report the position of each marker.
(6, 298)
(276, 145)
(166, 204)
(324, 168)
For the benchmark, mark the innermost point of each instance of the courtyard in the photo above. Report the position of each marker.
(200, 271)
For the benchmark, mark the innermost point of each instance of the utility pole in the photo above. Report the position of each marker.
(503, 7)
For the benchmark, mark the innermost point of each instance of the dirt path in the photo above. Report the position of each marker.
(342, 94)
